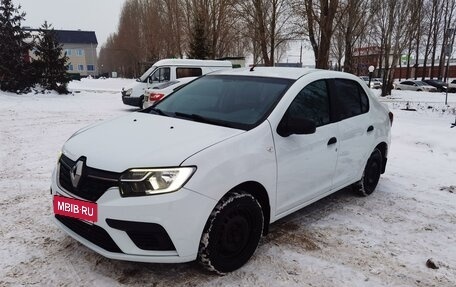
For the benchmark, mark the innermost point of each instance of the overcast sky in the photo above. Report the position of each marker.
(101, 16)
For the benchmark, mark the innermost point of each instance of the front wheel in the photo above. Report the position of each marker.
(232, 233)
(371, 174)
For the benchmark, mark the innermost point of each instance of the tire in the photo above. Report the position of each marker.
(231, 234)
(371, 174)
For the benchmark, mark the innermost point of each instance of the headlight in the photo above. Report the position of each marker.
(128, 92)
(139, 182)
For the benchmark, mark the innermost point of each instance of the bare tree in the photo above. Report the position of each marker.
(319, 18)
(354, 23)
(392, 19)
(448, 22)
(265, 23)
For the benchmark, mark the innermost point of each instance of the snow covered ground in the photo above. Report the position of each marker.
(99, 85)
(342, 240)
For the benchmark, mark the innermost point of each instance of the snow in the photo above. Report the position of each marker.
(100, 85)
(342, 240)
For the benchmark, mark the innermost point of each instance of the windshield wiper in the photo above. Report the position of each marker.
(197, 118)
(158, 111)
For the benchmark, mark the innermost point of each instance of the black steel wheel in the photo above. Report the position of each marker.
(232, 233)
(371, 174)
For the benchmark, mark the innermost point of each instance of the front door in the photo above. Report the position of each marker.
(306, 163)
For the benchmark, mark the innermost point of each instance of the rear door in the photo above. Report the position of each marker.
(306, 163)
(355, 129)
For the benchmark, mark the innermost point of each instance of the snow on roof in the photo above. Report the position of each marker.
(72, 36)
(76, 37)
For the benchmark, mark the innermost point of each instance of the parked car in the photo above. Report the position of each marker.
(414, 85)
(168, 70)
(452, 87)
(440, 85)
(151, 96)
(374, 82)
(220, 160)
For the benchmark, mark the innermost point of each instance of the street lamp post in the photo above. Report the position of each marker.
(371, 70)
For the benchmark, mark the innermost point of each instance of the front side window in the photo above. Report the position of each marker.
(161, 75)
(350, 98)
(312, 103)
(188, 72)
(234, 101)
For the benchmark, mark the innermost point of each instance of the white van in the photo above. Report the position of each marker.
(169, 70)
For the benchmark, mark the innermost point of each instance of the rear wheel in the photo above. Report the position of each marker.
(371, 174)
(232, 233)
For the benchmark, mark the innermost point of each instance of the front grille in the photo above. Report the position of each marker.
(92, 233)
(92, 184)
(147, 236)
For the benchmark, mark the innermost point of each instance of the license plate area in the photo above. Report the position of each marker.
(71, 207)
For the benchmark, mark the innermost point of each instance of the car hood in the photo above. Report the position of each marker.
(143, 140)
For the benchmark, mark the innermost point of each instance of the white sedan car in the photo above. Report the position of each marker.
(414, 85)
(375, 83)
(228, 154)
(151, 96)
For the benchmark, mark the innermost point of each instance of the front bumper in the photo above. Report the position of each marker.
(182, 215)
(132, 101)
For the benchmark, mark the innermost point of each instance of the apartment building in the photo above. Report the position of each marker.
(80, 48)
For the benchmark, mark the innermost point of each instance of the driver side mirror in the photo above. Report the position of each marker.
(293, 124)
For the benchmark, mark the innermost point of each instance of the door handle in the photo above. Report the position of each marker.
(370, 128)
(332, 141)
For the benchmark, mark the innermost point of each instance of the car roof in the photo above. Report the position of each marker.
(192, 62)
(281, 72)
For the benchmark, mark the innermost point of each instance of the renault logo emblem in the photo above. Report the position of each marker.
(76, 172)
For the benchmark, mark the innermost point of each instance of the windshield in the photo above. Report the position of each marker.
(420, 83)
(146, 74)
(233, 101)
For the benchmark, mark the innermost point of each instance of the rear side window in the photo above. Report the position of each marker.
(188, 72)
(312, 103)
(350, 99)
